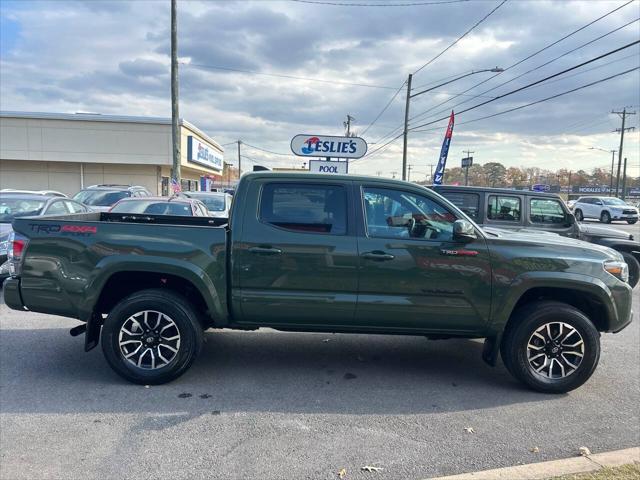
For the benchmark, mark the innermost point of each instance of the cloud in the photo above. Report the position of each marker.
(113, 57)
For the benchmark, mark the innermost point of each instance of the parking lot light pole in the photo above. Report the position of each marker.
(408, 104)
(613, 159)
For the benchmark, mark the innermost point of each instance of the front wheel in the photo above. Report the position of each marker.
(151, 337)
(605, 217)
(634, 268)
(550, 346)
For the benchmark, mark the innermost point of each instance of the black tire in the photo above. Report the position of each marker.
(632, 222)
(605, 217)
(521, 328)
(634, 268)
(184, 318)
(578, 215)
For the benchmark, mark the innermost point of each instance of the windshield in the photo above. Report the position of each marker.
(613, 201)
(100, 198)
(153, 207)
(11, 208)
(214, 203)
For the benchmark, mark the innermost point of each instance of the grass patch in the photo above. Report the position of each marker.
(625, 472)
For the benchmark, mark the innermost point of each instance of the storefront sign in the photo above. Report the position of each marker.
(202, 154)
(328, 147)
(325, 166)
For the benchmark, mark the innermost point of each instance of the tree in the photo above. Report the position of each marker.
(495, 173)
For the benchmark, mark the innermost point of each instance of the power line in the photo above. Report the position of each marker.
(545, 99)
(460, 37)
(611, 12)
(281, 75)
(349, 4)
(534, 83)
(268, 151)
(384, 109)
(531, 70)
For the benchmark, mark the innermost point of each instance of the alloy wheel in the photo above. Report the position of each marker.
(555, 350)
(149, 339)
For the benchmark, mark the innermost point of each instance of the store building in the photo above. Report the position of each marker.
(67, 152)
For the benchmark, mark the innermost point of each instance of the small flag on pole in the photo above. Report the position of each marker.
(175, 186)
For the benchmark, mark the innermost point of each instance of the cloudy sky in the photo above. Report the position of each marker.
(113, 57)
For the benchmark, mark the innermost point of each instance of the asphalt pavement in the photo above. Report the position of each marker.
(270, 405)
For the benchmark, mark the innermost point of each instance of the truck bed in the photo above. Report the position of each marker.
(71, 258)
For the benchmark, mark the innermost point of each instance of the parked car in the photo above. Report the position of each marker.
(570, 204)
(313, 253)
(102, 197)
(605, 209)
(528, 211)
(52, 193)
(161, 206)
(14, 205)
(218, 203)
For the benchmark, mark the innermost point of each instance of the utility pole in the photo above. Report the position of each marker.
(409, 167)
(175, 113)
(379, 172)
(466, 169)
(393, 174)
(623, 114)
(347, 125)
(613, 156)
(239, 161)
(431, 165)
(406, 128)
(624, 179)
(569, 185)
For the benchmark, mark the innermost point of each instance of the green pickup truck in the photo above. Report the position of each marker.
(313, 253)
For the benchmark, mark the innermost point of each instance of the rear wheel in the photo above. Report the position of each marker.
(578, 215)
(550, 346)
(605, 217)
(632, 221)
(634, 268)
(151, 337)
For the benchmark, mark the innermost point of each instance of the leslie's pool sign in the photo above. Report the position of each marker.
(328, 147)
(325, 166)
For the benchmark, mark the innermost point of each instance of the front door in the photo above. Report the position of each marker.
(296, 259)
(413, 276)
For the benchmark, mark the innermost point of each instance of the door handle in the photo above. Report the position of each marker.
(265, 250)
(378, 256)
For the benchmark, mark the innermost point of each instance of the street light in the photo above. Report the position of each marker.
(613, 156)
(410, 96)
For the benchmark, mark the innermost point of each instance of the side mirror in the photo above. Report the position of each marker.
(463, 231)
(571, 219)
(598, 202)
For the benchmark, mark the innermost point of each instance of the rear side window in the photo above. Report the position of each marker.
(469, 203)
(56, 208)
(305, 208)
(545, 210)
(504, 208)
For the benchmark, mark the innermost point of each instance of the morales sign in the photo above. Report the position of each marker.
(202, 154)
(329, 147)
(325, 166)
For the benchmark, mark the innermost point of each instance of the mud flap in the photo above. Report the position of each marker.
(92, 337)
(491, 349)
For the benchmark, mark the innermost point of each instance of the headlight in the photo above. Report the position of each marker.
(620, 270)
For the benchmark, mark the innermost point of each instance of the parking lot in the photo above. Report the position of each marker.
(282, 405)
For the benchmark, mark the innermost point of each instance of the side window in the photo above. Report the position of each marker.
(399, 214)
(545, 210)
(74, 207)
(504, 208)
(305, 207)
(56, 208)
(469, 203)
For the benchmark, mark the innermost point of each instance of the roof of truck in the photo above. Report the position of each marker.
(512, 191)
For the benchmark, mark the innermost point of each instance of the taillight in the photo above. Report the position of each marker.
(17, 246)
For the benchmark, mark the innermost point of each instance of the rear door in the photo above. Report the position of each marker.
(413, 276)
(295, 258)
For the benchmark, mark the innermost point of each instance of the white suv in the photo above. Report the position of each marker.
(605, 209)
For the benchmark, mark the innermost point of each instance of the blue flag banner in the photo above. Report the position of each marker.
(442, 162)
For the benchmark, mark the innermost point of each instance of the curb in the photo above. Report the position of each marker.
(554, 468)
